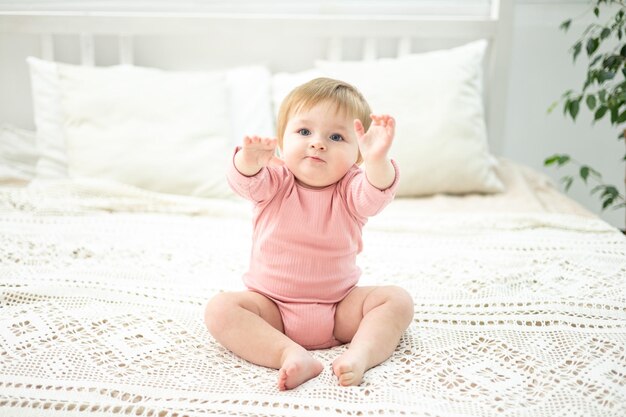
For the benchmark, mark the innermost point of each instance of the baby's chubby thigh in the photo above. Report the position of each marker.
(311, 325)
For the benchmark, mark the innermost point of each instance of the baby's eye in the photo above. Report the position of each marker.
(336, 137)
(304, 132)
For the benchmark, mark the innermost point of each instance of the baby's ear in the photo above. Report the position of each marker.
(358, 127)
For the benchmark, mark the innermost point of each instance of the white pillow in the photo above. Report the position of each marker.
(18, 153)
(437, 100)
(224, 104)
(166, 132)
(46, 93)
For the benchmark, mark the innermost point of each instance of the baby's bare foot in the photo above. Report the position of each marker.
(298, 367)
(349, 368)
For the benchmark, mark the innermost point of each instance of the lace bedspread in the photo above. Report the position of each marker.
(103, 290)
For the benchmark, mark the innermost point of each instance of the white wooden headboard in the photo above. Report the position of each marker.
(283, 42)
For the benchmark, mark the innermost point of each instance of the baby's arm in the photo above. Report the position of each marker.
(374, 146)
(255, 154)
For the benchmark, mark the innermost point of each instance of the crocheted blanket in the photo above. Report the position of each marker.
(103, 289)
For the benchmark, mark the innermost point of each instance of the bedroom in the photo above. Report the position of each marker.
(519, 288)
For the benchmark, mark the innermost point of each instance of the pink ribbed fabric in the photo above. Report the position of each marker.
(311, 325)
(305, 241)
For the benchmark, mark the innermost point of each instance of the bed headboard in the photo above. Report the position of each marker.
(283, 42)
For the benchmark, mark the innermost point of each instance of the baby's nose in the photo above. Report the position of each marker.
(317, 144)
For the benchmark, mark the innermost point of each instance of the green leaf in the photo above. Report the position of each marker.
(595, 173)
(611, 61)
(574, 107)
(609, 196)
(607, 203)
(622, 117)
(605, 75)
(552, 159)
(584, 173)
(565, 25)
(611, 190)
(605, 33)
(591, 101)
(592, 46)
(563, 159)
(596, 11)
(568, 182)
(622, 51)
(553, 106)
(559, 159)
(614, 115)
(577, 47)
(614, 62)
(595, 61)
(599, 114)
(602, 95)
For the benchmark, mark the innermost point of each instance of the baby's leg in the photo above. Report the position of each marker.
(373, 319)
(249, 325)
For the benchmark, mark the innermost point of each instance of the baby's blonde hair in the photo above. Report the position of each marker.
(345, 97)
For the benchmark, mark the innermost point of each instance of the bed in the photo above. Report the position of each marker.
(520, 293)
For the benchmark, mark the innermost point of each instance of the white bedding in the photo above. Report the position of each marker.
(518, 312)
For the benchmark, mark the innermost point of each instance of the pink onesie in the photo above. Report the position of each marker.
(305, 244)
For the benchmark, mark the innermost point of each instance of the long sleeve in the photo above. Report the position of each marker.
(257, 188)
(365, 200)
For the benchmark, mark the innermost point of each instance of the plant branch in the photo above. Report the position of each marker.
(606, 73)
(611, 194)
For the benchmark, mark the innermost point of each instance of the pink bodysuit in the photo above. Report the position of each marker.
(305, 244)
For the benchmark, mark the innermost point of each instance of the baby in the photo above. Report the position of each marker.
(309, 209)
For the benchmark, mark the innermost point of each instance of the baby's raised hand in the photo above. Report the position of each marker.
(258, 152)
(375, 143)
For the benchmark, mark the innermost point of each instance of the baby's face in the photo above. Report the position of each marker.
(320, 145)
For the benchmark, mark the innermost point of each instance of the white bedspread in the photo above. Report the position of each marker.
(103, 289)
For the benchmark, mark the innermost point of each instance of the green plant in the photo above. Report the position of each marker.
(603, 91)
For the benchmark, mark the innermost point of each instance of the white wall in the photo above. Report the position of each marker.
(541, 70)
